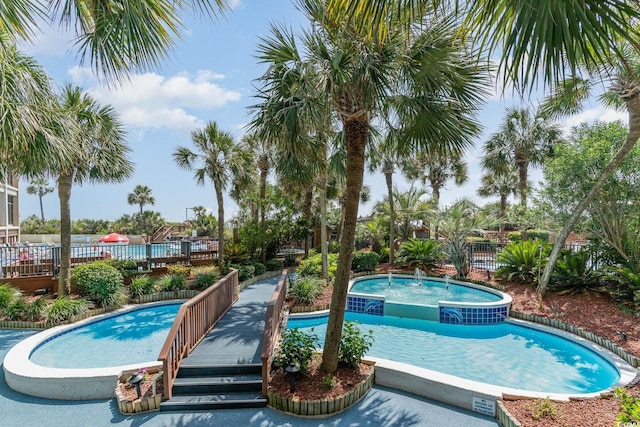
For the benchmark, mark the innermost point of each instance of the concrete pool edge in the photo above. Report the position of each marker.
(24, 376)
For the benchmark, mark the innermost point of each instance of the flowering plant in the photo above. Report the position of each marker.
(144, 372)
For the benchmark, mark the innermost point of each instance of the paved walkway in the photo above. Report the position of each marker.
(380, 407)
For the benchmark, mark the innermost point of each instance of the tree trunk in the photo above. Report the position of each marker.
(64, 194)
(323, 228)
(41, 209)
(308, 200)
(633, 107)
(503, 214)
(522, 182)
(388, 176)
(263, 230)
(341, 222)
(356, 133)
(220, 201)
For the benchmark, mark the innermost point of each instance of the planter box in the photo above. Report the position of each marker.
(145, 404)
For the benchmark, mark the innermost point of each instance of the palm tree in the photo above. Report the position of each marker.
(218, 158)
(101, 156)
(523, 140)
(501, 183)
(40, 187)
(354, 73)
(117, 37)
(141, 196)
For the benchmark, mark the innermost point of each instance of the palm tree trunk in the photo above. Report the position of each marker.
(41, 209)
(388, 176)
(220, 201)
(263, 230)
(633, 107)
(323, 230)
(503, 214)
(341, 222)
(356, 133)
(64, 194)
(308, 200)
(522, 183)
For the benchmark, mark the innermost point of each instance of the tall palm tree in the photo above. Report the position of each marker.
(116, 37)
(354, 73)
(40, 187)
(525, 140)
(101, 156)
(141, 196)
(217, 158)
(501, 183)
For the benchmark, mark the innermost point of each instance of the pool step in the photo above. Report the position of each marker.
(216, 387)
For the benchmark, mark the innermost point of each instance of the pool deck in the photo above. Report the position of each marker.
(235, 339)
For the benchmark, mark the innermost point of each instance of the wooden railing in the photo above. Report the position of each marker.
(194, 319)
(161, 233)
(271, 325)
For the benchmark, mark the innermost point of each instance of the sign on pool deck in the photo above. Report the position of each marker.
(484, 406)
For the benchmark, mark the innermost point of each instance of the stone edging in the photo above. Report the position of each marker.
(320, 407)
(127, 407)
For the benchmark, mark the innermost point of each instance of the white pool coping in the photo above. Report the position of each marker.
(24, 376)
(478, 396)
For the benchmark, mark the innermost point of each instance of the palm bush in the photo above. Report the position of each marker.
(99, 282)
(172, 282)
(305, 289)
(573, 271)
(364, 261)
(63, 308)
(21, 309)
(419, 253)
(626, 282)
(521, 261)
(236, 253)
(7, 295)
(205, 279)
(143, 285)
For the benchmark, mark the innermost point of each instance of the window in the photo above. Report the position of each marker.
(10, 216)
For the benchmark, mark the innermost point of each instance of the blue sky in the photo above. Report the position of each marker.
(209, 77)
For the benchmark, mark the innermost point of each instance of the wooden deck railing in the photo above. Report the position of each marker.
(271, 325)
(194, 319)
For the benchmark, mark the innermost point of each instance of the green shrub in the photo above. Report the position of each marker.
(364, 261)
(521, 261)
(259, 268)
(172, 282)
(99, 282)
(205, 279)
(312, 266)
(384, 254)
(540, 235)
(305, 289)
(7, 295)
(63, 308)
(143, 285)
(297, 347)
(353, 344)
(245, 272)
(333, 247)
(236, 253)
(290, 257)
(32, 311)
(179, 270)
(16, 309)
(124, 266)
(544, 408)
(420, 253)
(572, 271)
(274, 264)
(629, 408)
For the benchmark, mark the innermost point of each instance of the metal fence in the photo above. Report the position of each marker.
(42, 260)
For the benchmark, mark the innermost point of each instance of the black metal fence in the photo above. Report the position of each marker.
(42, 260)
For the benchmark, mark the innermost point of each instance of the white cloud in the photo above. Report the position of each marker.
(151, 100)
(48, 41)
(606, 115)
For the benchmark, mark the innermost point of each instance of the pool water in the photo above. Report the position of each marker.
(128, 338)
(429, 292)
(505, 354)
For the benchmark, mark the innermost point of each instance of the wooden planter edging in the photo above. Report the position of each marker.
(320, 406)
(127, 407)
(169, 295)
(602, 342)
(504, 417)
(19, 324)
(309, 308)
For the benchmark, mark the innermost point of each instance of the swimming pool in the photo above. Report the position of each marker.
(515, 358)
(136, 334)
(132, 337)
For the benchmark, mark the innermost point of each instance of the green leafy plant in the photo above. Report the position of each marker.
(245, 272)
(297, 347)
(143, 285)
(205, 279)
(329, 381)
(290, 257)
(274, 264)
(259, 268)
(236, 253)
(384, 254)
(124, 266)
(521, 261)
(99, 282)
(353, 344)
(544, 408)
(629, 408)
(7, 295)
(16, 309)
(419, 253)
(364, 261)
(179, 270)
(305, 289)
(172, 282)
(63, 308)
(312, 266)
(572, 271)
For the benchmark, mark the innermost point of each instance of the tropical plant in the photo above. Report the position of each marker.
(100, 283)
(627, 277)
(7, 295)
(141, 196)
(354, 344)
(245, 272)
(629, 408)
(205, 279)
(364, 261)
(179, 270)
(305, 289)
(142, 285)
(30, 311)
(40, 187)
(297, 348)
(374, 233)
(420, 253)
(521, 261)
(101, 155)
(503, 183)
(62, 308)
(172, 282)
(574, 271)
(312, 266)
(436, 169)
(259, 268)
(236, 253)
(346, 76)
(217, 158)
(274, 264)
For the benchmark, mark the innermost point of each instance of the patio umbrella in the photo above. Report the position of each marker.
(114, 238)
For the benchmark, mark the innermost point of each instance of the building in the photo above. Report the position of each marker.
(9, 218)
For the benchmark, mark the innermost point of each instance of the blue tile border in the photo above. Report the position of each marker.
(365, 305)
(473, 315)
